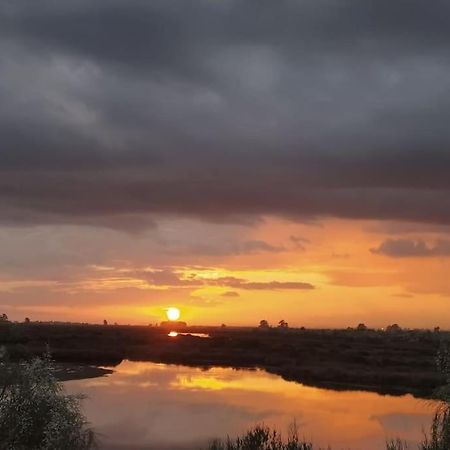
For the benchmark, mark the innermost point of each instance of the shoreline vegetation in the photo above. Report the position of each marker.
(394, 363)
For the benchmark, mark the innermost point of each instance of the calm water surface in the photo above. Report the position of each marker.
(156, 406)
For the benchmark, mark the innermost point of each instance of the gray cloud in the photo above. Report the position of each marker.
(258, 246)
(239, 283)
(232, 247)
(171, 278)
(167, 277)
(230, 294)
(299, 242)
(223, 109)
(404, 248)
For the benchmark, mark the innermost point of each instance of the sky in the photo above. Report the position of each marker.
(241, 160)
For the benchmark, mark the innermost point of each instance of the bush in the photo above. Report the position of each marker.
(35, 413)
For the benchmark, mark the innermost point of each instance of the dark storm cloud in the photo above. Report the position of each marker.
(221, 109)
(404, 248)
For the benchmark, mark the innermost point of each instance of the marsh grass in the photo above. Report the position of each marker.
(262, 437)
(439, 436)
(396, 444)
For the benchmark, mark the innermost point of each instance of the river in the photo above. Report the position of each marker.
(145, 405)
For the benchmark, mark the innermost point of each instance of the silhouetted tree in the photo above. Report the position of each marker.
(394, 328)
(105, 322)
(223, 326)
(4, 318)
(283, 324)
(361, 327)
(27, 320)
(263, 324)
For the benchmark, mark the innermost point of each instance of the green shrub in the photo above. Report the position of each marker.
(36, 414)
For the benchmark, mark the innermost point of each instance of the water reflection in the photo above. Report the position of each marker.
(158, 406)
(177, 333)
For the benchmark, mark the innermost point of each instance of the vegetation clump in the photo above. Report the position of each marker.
(262, 437)
(439, 436)
(396, 444)
(35, 413)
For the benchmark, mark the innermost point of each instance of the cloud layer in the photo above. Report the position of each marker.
(404, 248)
(115, 112)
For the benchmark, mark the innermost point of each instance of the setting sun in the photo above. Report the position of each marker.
(173, 314)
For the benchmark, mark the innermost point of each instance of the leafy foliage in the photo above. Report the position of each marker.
(35, 413)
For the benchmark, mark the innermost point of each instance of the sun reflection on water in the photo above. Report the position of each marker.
(200, 335)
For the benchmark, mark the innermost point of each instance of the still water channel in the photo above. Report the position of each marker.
(145, 405)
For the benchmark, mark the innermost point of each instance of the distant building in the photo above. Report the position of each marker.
(173, 324)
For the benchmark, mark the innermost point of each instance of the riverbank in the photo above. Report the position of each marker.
(70, 372)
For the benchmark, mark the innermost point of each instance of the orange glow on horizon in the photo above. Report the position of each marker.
(351, 283)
